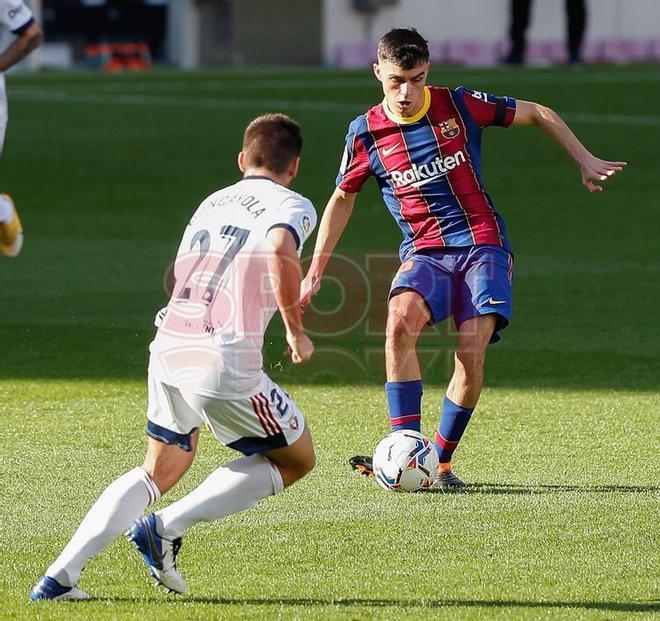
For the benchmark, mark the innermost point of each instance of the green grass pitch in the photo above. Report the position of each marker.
(562, 522)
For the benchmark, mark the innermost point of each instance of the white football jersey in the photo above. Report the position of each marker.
(15, 16)
(212, 333)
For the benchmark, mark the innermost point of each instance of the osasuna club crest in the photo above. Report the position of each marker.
(449, 128)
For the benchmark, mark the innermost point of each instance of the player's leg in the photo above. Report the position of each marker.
(420, 295)
(482, 309)
(237, 486)
(167, 463)
(269, 429)
(467, 379)
(463, 392)
(169, 454)
(576, 20)
(3, 112)
(295, 461)
(11, 230)
(167, 460)
(407, 314)
(520, 15)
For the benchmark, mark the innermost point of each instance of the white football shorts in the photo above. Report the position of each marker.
(266, 420)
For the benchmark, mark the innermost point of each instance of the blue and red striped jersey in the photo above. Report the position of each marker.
(428, 167)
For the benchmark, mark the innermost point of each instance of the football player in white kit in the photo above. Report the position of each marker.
(237, 264)
(16, 21)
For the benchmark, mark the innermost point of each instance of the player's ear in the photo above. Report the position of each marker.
(376, 68)
(241, 161)
(293, 167)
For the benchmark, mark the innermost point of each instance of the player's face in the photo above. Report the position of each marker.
(403, 88)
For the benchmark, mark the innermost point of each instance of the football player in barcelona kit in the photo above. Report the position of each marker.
(16, 21)
(237, 264)
(422, 144)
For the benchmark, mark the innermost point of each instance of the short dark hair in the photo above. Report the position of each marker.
(404, 47)
(271, 141)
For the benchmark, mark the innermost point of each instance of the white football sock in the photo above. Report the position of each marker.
(123, 501)
(234, 487)
(6, 210)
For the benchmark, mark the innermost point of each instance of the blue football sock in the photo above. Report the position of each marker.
(453, 423)
(404, 404)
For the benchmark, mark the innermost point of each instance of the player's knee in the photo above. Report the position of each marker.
(470, 362)
(307, 463)
(298, 469)
(401, 326)
(166, 470)
(163, 479)
(407, 314)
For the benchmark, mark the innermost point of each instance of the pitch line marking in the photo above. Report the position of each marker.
(222, 82)
(261, 104)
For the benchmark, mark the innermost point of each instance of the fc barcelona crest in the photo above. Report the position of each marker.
(449, 128)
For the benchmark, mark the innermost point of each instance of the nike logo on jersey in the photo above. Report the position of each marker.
(491, 301)
(386, 152)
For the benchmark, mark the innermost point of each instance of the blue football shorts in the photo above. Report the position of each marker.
(461, 282)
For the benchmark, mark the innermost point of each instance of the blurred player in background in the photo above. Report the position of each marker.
(17, 23)
(576, 22)
(238, 262)
(423, 146)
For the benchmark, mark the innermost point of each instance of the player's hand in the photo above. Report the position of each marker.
(594, 171)
(301, 347)
(309, 287)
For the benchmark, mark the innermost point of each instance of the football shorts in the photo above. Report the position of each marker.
(266, 420)
(461, 282)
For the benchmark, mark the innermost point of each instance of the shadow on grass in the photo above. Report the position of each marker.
(507, 488)
(651, 606)
(119, 353)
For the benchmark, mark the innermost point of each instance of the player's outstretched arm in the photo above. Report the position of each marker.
(335, 217)
(29, 40)
(592, 168)
(285, 272)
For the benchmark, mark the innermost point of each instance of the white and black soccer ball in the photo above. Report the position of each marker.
(405, 461)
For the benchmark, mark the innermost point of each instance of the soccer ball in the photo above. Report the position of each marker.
(405, 461)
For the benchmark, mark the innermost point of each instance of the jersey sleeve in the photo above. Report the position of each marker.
(487, 109)
(355, 167)
(15, 15)
(298, 216)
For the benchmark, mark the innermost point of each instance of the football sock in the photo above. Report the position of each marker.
(234, 487)
(404, 404)
(452, 424)
(6, 211)
(123, 501)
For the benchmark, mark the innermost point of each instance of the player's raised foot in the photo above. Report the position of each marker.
(447, 481)
(158, 553)
(49, 588)
(364, 464)
(11, 231)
